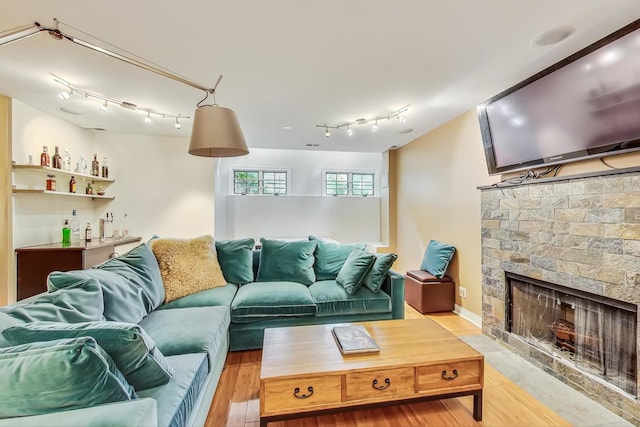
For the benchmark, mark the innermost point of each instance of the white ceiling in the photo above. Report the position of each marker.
(294, 63)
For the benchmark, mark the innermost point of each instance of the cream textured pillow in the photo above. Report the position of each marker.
(187, 266)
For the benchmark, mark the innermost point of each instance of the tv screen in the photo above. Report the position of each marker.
(587, 105)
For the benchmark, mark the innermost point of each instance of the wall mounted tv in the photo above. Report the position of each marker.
(585, 106)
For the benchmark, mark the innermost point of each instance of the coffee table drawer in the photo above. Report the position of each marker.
(379, 383)
(301, 393)
(449, 375)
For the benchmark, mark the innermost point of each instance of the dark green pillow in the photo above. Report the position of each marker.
(61, 375)
(330, 257)
(133, 351)
(354, 270)
(282, 261)
(437, 258)
(375, 277)
(236, 260)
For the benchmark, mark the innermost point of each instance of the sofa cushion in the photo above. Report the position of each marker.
(236, 259)
(176, 399)
(222, 295)
(132, 350)
(257, 301)
(333, 300)
(58, 375)
(375, 277)
(286, 261)
(187, 266)
(437, 258)
(354, 270)
(140, 267)
(188, 330)
(330, 256)
(80, 301)
(123, 300)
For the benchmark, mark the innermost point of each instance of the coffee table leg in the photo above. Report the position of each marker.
(477, 406)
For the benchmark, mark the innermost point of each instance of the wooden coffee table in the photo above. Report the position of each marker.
(303, 373)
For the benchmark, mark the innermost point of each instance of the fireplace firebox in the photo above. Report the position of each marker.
(591, 333)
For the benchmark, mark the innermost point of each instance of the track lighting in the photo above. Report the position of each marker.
(104, 106)
(399, 114)
(64, 95)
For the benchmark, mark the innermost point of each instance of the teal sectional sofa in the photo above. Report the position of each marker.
(101, 348)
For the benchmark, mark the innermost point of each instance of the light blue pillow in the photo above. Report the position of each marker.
(50, 376)
(330, 257)
(133, 351)
(375, 277)
(282, 261)
(355, 269)
(80, 301)
(437, 258)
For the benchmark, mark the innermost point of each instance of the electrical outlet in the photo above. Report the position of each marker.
(462, 292)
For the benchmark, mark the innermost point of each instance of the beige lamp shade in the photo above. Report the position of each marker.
(216, 133)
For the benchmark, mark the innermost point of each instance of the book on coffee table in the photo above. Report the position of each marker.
(353, 339)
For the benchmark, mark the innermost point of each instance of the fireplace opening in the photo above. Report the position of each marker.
(594, 334)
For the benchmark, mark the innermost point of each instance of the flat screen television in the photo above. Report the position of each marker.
(585, 106)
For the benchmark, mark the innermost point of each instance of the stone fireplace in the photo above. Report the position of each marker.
(561, 280)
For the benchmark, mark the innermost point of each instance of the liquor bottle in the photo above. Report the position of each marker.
(44, 157)
(72, 184)
(89, 189)
(66, 233)
(105, 168)
(74, 224)
(87, 232)
(51, 183)
(82, 165)
(66, 160)
(57, 159)
(95, 166)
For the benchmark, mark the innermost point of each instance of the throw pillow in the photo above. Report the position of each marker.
(61, 375)
(236, 260)
(187, 266)
(354, 270)
(282, 261)
(375, 277)
(80, 301)
(132, 350)
(437, 258)
(330, 257)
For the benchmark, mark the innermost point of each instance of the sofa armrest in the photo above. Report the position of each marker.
(393, 285)
(134, 413)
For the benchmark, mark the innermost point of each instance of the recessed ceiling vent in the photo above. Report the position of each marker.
(553, 36)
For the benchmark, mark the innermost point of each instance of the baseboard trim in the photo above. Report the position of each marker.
(468, 315)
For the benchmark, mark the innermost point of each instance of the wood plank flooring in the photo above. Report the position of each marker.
(236, 401)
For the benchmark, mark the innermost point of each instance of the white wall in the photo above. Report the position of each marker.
(304, 210)
(161, 188)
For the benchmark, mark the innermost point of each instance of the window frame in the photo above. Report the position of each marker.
(350, 183)
(284, 189)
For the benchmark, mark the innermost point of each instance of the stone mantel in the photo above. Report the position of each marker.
(580, 231)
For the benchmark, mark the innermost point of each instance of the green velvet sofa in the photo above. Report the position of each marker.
(102, 349)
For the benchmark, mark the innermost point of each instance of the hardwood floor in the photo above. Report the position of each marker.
(236, 401)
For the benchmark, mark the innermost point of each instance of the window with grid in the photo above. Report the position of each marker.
(349, 183)
(259, 182)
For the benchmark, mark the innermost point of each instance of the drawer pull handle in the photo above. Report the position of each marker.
(452, 377)
(297, 395)
(375, 385)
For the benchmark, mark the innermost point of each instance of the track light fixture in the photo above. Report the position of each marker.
(399, 114)
(178, 125)
(216, 131)
(71, 88)
(64, 95)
